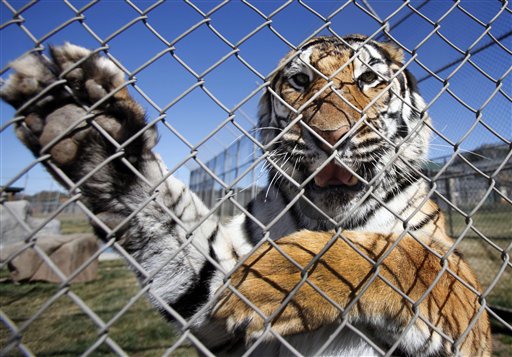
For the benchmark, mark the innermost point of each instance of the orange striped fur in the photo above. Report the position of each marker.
(267, 278)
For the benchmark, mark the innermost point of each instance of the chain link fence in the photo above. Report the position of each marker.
(460, 56)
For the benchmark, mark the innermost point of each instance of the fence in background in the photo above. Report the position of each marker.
(473, 189)
(467, 189)
(461, 184)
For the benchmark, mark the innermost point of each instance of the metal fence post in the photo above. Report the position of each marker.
(448, 207)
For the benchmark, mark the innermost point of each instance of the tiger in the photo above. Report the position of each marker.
(346, 255)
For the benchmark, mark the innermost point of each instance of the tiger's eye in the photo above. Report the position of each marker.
(300, 79)
(368, 77)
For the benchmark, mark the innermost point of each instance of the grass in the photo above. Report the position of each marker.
(494, 223)
(486, 262)
(75, 225)
(502, 345)
(63, 329)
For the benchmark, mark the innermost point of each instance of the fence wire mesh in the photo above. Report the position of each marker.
(188, 60)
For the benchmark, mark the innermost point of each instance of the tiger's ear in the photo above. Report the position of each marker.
(395, 53)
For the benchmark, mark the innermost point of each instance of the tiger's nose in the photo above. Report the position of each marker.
(332, 136)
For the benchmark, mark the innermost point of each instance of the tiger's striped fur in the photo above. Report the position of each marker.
(350, 126)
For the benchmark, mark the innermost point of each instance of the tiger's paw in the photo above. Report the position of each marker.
(244, 321)
(55, 97)
(256, 321)
(91, 77)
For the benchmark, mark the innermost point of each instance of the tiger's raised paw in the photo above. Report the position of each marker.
(61, 97)
(89, 76)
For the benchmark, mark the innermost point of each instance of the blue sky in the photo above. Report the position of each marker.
(196, 115)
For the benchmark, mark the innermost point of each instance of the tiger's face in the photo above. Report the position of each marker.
(344, 119)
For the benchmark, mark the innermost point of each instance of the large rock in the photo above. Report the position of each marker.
(15, 219)
(67, 252)
(11, 214)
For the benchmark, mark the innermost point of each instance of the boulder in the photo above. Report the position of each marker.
(67, 252)
(51, 227)
(15, 218)
(11, 214)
